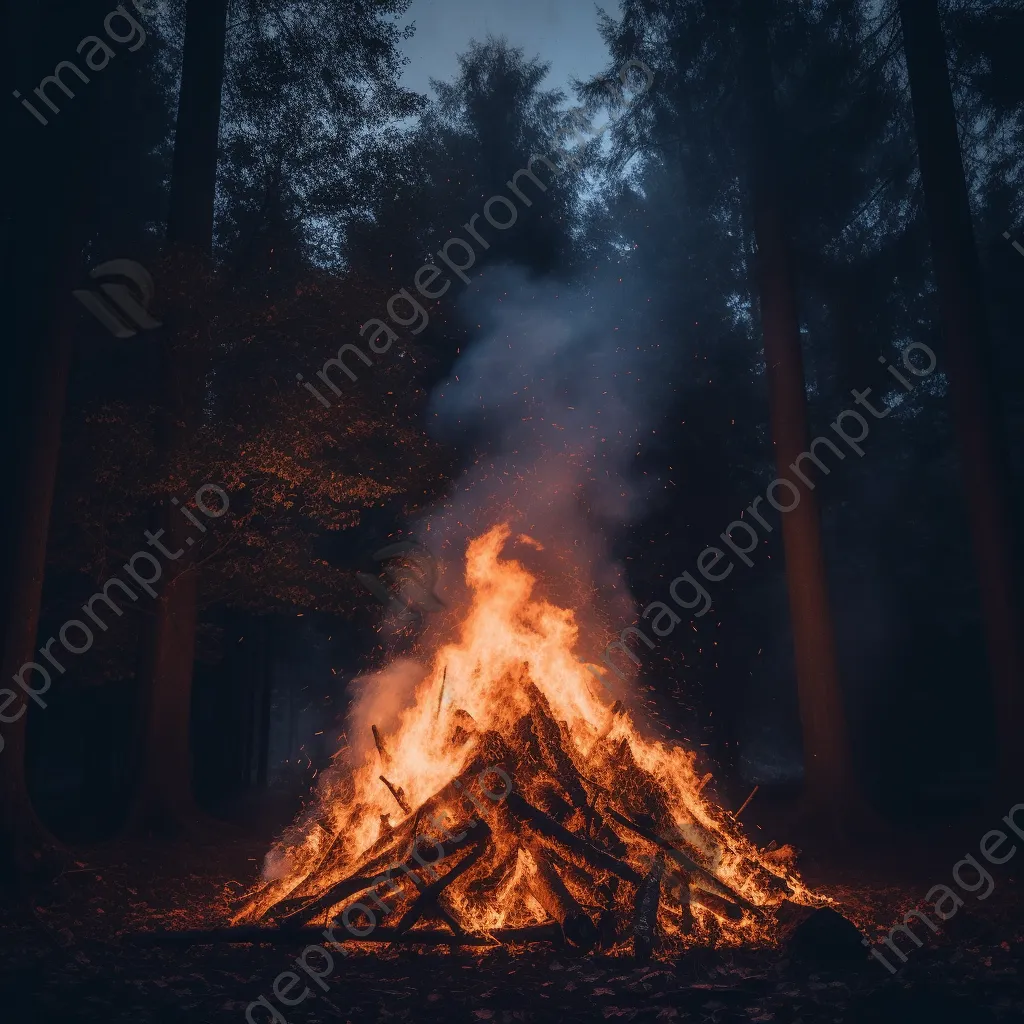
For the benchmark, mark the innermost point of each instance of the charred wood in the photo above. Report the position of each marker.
(360, 883)
(551, 893)
(427, 900)
(385, 757)
(548, 799)
(550, 828)
(399, 794)
(681, 858)
(715, 903)
(645, 911)
(256, 935)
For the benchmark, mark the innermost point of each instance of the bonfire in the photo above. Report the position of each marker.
(515, 800)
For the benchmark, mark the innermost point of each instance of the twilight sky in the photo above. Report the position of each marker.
(563, 32)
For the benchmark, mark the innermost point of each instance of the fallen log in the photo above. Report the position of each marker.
(645, 911)
(256, 935)
(547, 886)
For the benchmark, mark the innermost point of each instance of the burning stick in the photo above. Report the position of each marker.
(427, 901)
(645, 913)
(703, 783)
(736, 816)
(398, 793)
(385, 757)
(440, 696)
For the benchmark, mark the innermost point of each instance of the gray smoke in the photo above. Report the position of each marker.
(556, 397)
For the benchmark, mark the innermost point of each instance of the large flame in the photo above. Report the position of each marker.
(513, 653)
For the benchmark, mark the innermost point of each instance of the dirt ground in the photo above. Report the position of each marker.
(67, 954)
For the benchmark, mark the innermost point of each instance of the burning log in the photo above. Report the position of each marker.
(553, 747)
(717, 885)
(356, 884)
(547, 826)
(530, 758)
(645, 911)
(599, 830)
(550, 892)
(715, 903)
(550, 801)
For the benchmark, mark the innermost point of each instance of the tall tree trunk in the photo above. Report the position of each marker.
(21, 832)
(194, 171)
(984, 460)
(828, 771)
(41, 251)
(164, 799)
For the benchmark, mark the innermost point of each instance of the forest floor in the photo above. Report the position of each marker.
(66, 954)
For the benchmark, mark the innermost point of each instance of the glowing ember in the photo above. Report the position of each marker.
(603, 831)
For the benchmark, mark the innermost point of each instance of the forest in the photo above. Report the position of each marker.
(647, 435)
